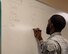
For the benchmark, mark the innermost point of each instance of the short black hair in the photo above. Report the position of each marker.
(58, 21)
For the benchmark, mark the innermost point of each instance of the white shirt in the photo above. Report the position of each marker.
(55, 44)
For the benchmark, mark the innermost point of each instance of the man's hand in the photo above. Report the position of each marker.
(37, 33)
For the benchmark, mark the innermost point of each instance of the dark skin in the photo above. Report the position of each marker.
(49, 30)
(37, 33)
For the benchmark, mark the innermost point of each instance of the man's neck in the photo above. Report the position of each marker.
(54, 34)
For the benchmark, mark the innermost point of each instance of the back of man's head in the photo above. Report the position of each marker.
(58, 21)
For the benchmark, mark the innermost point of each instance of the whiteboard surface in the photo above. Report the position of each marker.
(19, 17)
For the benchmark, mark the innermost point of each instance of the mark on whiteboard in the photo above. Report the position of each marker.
(13, 11)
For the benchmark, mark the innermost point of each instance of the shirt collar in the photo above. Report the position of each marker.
(54, 34)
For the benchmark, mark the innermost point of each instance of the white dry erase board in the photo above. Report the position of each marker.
(19, 17)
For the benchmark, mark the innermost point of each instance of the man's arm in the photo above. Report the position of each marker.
(50, 47)
(44, 47)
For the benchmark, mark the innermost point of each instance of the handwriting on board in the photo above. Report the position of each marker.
(13, 8)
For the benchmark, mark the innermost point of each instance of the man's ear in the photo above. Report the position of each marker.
(51, 25)
(52, 29)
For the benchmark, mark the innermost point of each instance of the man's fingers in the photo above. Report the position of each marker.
(36, 30)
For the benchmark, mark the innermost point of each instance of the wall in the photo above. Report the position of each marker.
(19, 17)
(57, 4)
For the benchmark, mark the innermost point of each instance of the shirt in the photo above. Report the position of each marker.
(55, 44)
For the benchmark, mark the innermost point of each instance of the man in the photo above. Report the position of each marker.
(55, 44)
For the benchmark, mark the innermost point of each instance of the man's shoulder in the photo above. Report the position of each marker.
(58, 38)
(52, 45)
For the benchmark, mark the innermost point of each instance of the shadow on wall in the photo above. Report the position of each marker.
(65, 31)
